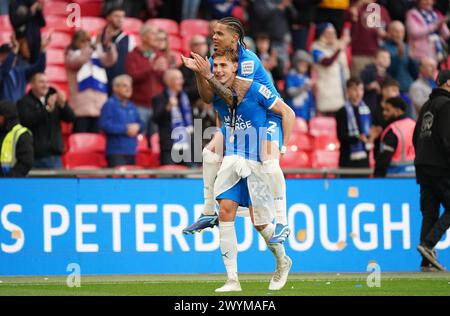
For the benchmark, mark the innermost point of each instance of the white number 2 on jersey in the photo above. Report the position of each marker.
(272, 127)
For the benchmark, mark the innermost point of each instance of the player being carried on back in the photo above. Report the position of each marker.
(229, 33)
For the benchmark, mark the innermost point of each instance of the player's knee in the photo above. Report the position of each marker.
(225, 214)
(210, 157)
(270, 166)
(260, 227)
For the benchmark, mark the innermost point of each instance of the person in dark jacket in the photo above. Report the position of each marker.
(16, 71)
(301, 23)
(173, 111)
(42, 111)
(353, 124)
(115, 17)
(432, 145)
(16, 143)
(27, 20)
(119, 119)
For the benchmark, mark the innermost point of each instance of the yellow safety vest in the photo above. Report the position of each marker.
(335, 4)
(8, 152)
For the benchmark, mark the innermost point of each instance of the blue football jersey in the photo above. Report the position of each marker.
(251, 116)
(251, 68)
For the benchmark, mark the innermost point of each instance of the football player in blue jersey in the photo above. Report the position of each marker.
(242, 179)
(229, 33)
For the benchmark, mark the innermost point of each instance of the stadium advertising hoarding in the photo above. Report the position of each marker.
(134, 226)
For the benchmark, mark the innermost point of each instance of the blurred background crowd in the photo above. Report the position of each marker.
(111, 84)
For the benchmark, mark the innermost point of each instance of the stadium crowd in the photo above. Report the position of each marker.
(114, 85)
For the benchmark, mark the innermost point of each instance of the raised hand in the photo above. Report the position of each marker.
(189, 63)
(204, 68)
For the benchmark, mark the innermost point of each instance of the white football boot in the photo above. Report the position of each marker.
(281, 273)
(232, 285)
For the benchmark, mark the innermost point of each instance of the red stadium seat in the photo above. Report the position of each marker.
(55, 57)
(142, 143)
(322, 126)
(325, 142)
(175, 43)
(132, 25)
(66, 128)
(295, 159)
(83, 160)
(87, 143)
(147, 159)
(325, 159)
(59, 39)
(154, 143)
(192, 27)
(56, 8)
(92, 24)
(301, 142)
(90, 7)
(5, 24)
(300, 126)
(169, 26)
(56, 74)
(57, 23)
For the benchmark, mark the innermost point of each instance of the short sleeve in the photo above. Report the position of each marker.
(264, 96)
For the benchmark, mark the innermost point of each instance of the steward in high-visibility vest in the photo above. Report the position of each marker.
(16, 143)
(397, 150)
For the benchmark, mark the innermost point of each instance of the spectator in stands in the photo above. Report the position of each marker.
(365, 37)
(146, 65)
(397, 151)
(403, 67)
(269, 56)
(164, 47)
(115, 17)
(302, 21)
(27, 20)
(272, 17)
(374, 75)
(421, 88)
(330, 62)
(333, 11)
(426, 30)
(173, 115)
(299, 86)
(87, 78)
(16, 143)
(354, 122)
(121, 123)
(42, 110)
(221, 8)
(190, 9)
(15, 71)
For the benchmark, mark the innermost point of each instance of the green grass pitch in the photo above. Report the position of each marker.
(323, 284)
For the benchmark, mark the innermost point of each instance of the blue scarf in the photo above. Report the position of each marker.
(431, 17)
(181, 119)
(93, 76)
(358, 150)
